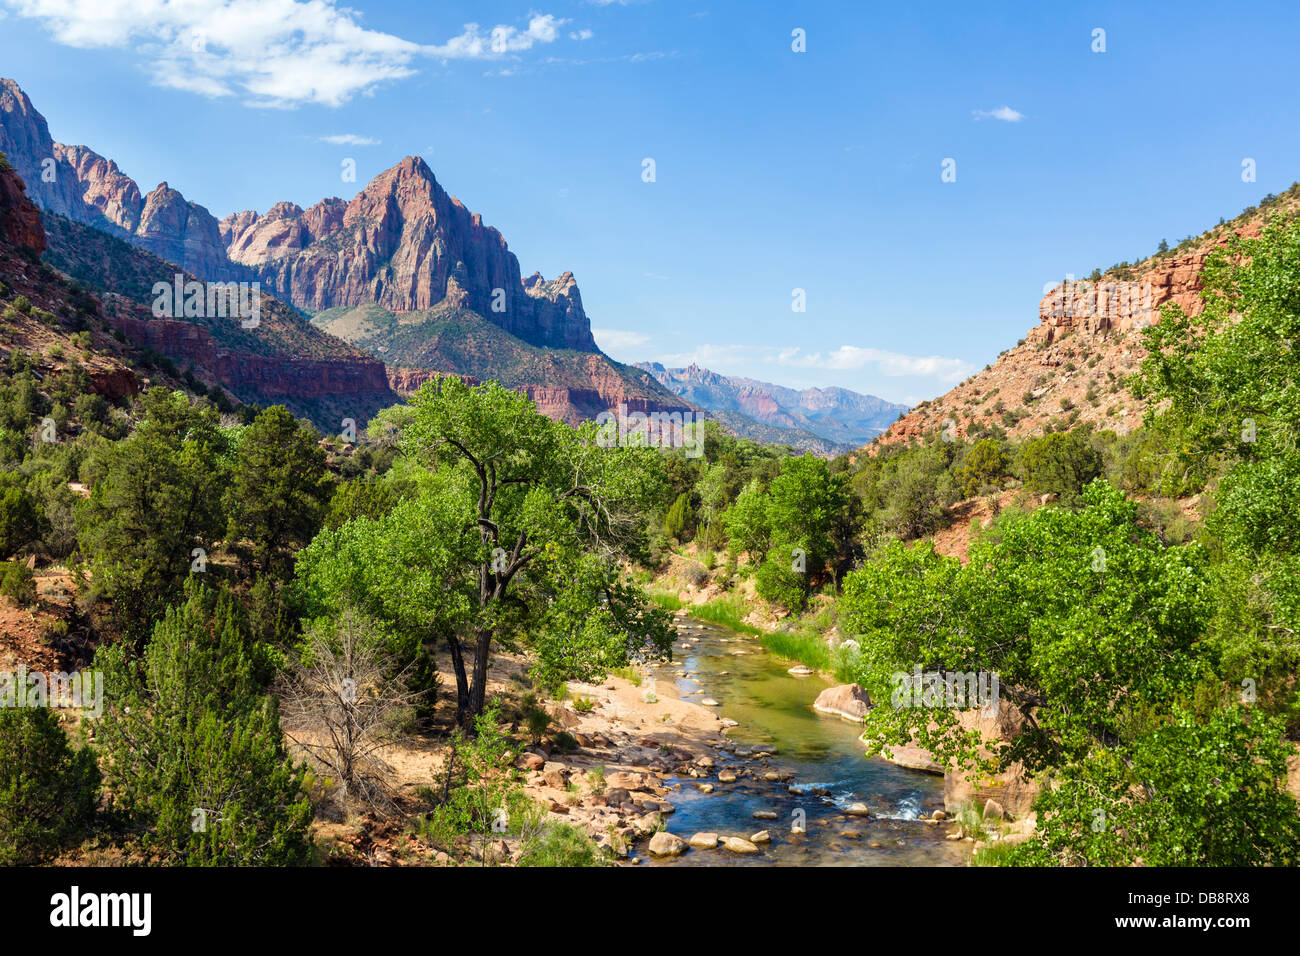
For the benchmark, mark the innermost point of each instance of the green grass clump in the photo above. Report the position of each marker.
(728, 611)
(561, 845)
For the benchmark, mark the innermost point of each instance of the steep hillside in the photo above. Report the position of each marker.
(1071, 367)
(58, 329)
(838, 416)
(423, 344)
(284, 360)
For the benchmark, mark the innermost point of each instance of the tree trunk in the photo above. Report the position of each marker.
(478, 689)
(463, 709)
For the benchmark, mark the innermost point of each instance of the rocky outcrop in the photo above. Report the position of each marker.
(76, 182)
(1013, 791)
(20, 220)
(404, 244)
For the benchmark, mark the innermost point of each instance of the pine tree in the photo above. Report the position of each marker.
(48, 791)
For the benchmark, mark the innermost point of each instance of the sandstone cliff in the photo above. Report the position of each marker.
(404, 244)
(78, 183)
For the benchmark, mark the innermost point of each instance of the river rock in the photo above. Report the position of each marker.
(704, 841)
(664, 843)
(532, 761)
(706, 788)
(764, 814)
(625, 780)
(849, 701)
(709, 702)
(737, 845)
(646, 825)
(555, 775)
(993, 809)
(727, 776)
(705, 762)
(858, 810)
(801, 670)
(762, 836)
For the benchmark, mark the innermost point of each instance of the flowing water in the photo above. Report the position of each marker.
(830, 773)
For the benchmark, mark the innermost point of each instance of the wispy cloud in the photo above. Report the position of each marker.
(619, 338)
(850, 358)
(1004, 113)
(581, 35)
(274, 53)
(349, 139)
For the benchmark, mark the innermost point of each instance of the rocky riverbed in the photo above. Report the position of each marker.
(718, 758)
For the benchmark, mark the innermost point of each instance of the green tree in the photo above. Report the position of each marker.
(48, 791)
(193, 746)
(747, 524)
(279, 490)
(156, 497)
(679, 523)
(985, 464)
(20, 517)
(1060, 463)
(1224, 395)
(814, 522)
(514, 541)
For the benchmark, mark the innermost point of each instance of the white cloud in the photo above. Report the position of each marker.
(274, 53)
(1004, 113)
(618, 338)
(349, 139)
(854, 358)
(581, 35)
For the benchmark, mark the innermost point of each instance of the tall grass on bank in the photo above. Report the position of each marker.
(729, 611)
(665, 599)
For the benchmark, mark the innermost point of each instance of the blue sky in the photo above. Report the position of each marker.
(775, 169)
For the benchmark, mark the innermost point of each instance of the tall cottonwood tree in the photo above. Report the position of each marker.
(514, 540)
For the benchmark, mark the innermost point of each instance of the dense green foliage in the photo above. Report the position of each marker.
(512, 540)
(48, 791)
(193, 745)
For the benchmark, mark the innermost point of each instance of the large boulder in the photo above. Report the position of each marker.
(849, 701)
(664, 843)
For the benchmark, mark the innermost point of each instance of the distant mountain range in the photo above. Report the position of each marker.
(837, 418)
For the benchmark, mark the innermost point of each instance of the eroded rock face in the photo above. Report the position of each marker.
(404, 244)
(78, 183)
(20, 220)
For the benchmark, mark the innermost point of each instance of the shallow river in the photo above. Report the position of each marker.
(774, 711)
